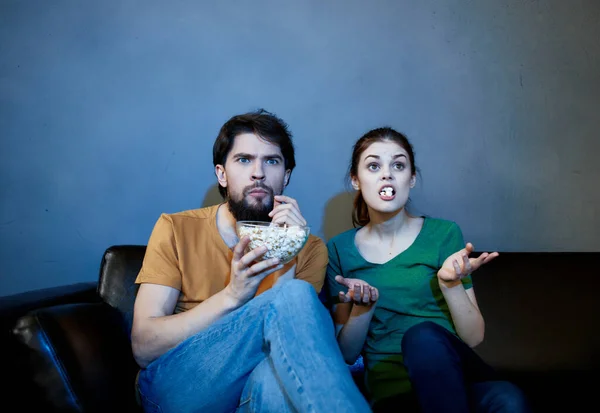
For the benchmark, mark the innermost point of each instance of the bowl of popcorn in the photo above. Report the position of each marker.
(282, 241)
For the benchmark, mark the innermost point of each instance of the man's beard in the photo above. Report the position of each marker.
(259, 211)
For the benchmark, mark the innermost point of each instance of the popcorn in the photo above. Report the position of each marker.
(387, 191)
(283, 242)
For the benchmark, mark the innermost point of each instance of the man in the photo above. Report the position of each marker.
(214, 329)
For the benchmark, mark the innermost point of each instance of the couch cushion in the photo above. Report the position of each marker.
(79, 358)
(118, 271)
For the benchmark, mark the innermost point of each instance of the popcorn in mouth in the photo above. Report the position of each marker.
(387, 191)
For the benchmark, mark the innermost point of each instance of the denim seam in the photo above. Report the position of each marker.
(148, 400)
(288, 366)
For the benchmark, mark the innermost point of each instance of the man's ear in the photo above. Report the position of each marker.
(221, 175)
(286, 177)
(355, 184)
(413, 181)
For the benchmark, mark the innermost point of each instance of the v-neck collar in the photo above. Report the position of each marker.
(397, 256)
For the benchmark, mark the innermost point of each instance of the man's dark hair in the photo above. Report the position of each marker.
(263, 124)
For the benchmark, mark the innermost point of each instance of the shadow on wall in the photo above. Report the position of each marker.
(338, 215)
(212, 197)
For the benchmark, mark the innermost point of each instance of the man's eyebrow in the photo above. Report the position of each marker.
(249, 156)
(274, 156)
(243, 155)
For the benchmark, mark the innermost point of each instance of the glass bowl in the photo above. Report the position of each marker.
(283, 241)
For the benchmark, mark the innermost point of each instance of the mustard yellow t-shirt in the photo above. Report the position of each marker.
(186, 252)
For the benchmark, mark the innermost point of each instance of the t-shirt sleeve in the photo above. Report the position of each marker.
(312, 265)
(161, 263)
(333, 269)
(454, 242)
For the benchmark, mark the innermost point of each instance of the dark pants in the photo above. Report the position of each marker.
(448, 376)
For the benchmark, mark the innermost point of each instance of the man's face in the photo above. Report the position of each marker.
(253, 173)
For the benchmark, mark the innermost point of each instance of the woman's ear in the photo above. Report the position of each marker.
(413, 181)
(355, 184)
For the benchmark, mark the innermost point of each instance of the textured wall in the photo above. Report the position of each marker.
(108, 112)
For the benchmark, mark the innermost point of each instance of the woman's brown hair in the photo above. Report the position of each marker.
(360, 212)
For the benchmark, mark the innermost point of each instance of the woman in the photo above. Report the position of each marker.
(404, 297)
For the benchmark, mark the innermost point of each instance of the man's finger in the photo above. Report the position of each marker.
(287, 211)
(288, 217)
(238, 250)
(288, 200)
(261, 266)
(253, 255)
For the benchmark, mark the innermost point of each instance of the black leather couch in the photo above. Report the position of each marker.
(67, 348)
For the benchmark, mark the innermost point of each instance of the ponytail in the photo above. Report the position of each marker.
(360, 212)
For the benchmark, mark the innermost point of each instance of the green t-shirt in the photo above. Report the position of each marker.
(408, 294)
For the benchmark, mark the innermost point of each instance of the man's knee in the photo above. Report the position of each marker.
(297, 298)
(297, 291)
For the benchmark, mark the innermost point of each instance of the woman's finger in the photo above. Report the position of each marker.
(366, 295)
(468, 267)
(490, 257)
(343, 297)
(374, 294)
(457, 268)
(341, 280)
(357, 293)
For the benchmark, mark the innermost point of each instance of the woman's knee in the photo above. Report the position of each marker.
(422, 336)
(500, 396)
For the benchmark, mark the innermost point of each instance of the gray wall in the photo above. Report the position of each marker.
(108, 112)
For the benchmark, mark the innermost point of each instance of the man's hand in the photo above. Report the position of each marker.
(359, 292)
(459, 265)
(246, 274)
(286, 211)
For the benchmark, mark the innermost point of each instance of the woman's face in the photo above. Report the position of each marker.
(384, 176)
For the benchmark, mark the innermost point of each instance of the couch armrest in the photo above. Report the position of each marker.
(15, 306)
(79, 357)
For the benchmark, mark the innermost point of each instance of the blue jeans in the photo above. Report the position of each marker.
(277, 353)
(448, 376)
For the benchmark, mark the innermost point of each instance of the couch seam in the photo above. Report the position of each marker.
(58, 363)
